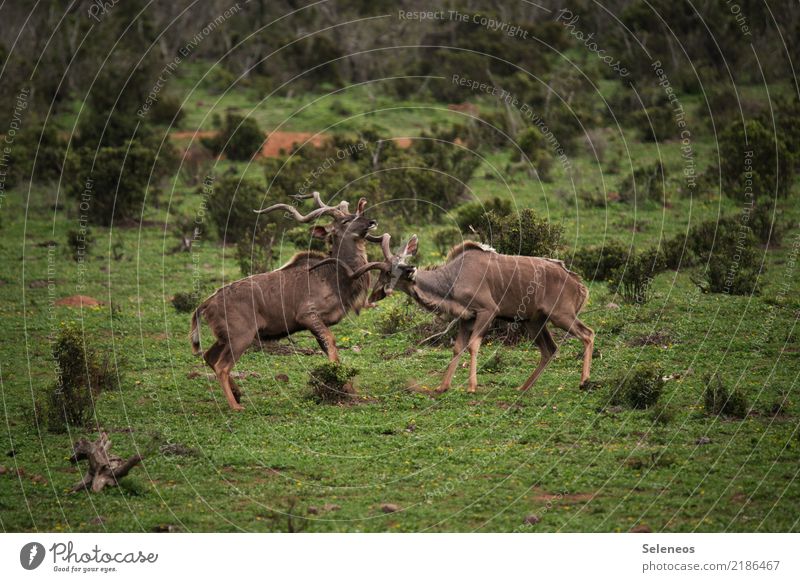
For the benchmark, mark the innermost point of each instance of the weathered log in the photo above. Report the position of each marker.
(104, 467)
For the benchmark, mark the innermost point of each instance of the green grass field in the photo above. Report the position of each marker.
(454, 462)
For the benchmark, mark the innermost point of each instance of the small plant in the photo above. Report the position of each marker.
(647, 183)
(633, 279)
(661, 413)
(639, 388)
(184, 302)
(719, 401)
(81, 375)
(494, 363)
(80, 243)
(399, 317)
(330, 383)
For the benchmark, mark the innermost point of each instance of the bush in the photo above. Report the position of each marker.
(446, 238)
(768, 228)
(230, 208)
(330, 383)
(113, 182)
(599, 262)
(255, 254)
(732, 267)
(751, 159)
(640, 387)
(719, 401)
(80, 243)
(399, 317)
(301, 238)
(184, 302)
(661, 413)
(81, 375)
(678, 252)
(473, 214)
(240, 138)
(656, 123)
(167, 110)
(523, 233)
(647, 183)
(40, 144)
(633, 279)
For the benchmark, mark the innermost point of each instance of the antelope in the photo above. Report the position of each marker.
(477, 285)
(273, 305)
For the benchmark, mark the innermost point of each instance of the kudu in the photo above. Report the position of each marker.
(292, 298)
(478, 285)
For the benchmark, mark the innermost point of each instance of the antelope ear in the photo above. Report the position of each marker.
(362, 204)
(321, 232)
(411, 247)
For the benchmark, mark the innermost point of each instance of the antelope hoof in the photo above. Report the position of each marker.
(237, 408)
(523, 388)
(472, 389)
(441, 389)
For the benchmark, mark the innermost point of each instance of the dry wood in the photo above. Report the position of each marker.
(104, 467)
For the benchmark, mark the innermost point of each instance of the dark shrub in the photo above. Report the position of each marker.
(473, 214)
(446, 238)
(523, 233)
(647, 183)
(719, 400)
(255, 254)
(230, 207)
(661, 413)
(733, 265)
(678, 252)
(300, 237)
(656, 123)
(768, 227)
(632, 280)
(81, 375)
(240, 138)
(751, 159)
(39, 144)
(639, 388)
(330, 383)
(167, 111)
(185, 302)
(599, 262)
(112, 182)
(399, 317)
(80, 243)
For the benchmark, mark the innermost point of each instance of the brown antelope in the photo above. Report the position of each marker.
(478, 285)
(273, 305)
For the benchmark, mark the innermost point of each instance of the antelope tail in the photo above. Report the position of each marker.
(194, 334)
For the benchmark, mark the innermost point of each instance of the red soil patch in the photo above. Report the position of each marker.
(280, 141)
(78, 301)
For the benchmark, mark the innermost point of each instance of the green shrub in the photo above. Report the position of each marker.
(639, 388)
(599, 262)
(185, 302)
(719, 401)
(255, 254)
(399, 317)
(656, 123)
(661, 413)
(80, 243)
(647, 183)
(300, 237)
(733, 266)
(473, 214)
(523, 233)
(218, 80)
(230, 208)
(446, 238)
(633, 279)
(240, 138)
(112, 182)
(678, 252)
(167, 110)
(768, 228)
(81, 375)
(330, 383)
(751, 159)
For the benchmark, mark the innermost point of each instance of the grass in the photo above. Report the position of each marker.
(456, 462)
